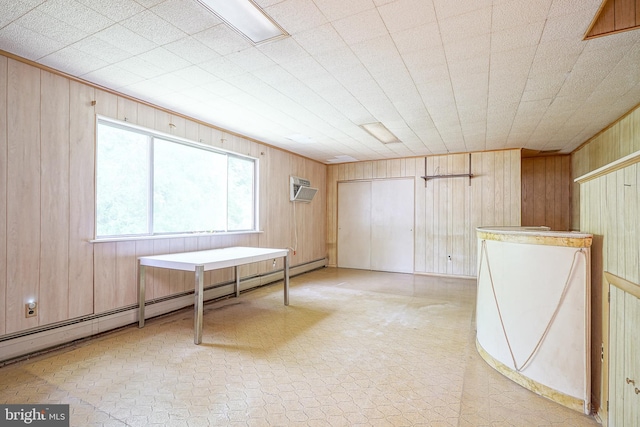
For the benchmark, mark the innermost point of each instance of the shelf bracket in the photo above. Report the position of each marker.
(456, 175)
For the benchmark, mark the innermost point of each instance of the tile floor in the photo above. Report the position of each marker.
(354, 348)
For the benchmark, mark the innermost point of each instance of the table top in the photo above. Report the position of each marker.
(213, 258)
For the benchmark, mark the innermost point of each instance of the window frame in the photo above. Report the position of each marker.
(151, 134)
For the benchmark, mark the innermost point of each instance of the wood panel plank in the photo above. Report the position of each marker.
(499, 187)
(126, 274)
(488, 207)
(539, 192)
(23, 193)
(54, 185)
(127, 110)
(105, 278)
(430, 218)
(515, 205)
(3, 193)
(457, 225)
(631, 249)
(161, 276)
(475, 207)
(106, 104)
(566, 196)
(146, 116)
(81, 199)
(527, 192)
(145, 248)
(605, 21)
(420, 221)
(625, 14)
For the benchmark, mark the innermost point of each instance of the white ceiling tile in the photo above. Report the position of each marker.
(363, 26)
(150, 26)
(195, 75)
(191, 50)
(105, 51)
(518, 13)
(125, 39)
(320, 39)
(250, 59)
(11, 10)
(406, 14)
(296, 15)
(73, 61)
(516, 38)
(338, 9)
(139, 66)
(222, 40)
(447, 8)
(284, 50)
(189, 16)
(50, 27)
(27, 43)
(466, 27)
(164, 60)
(76, 14)
(466, 49)
(113, 76)
(571, 27)
(418, 38)
(117, 10)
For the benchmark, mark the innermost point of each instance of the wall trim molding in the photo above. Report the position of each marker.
(27, 343)
(610, 167)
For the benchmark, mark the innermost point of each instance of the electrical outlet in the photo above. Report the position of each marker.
(31, 309)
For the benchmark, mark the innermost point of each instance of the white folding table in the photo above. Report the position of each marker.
(201, 261)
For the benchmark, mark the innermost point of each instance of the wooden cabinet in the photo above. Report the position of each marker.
(624, 358)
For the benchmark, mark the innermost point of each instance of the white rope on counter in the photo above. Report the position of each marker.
(484, 254)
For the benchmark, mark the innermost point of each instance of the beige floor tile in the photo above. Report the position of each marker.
(354, 348)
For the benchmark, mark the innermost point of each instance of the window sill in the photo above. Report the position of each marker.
(171, 236)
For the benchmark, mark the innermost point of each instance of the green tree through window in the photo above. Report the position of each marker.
(149, 184)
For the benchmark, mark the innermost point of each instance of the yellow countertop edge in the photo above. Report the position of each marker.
(545, 391)
(562, 239)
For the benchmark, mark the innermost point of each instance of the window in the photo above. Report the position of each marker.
(151, 184)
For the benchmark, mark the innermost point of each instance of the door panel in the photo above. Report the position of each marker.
(354, 224)
(392, 217)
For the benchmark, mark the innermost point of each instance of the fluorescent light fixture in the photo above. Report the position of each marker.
(342, 159)
(247, 18)
(301, 139)
(380, 132)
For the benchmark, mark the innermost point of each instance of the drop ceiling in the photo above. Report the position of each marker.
(444, 76)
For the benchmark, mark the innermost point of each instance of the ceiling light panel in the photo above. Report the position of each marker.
(380, 132)
(247, 18)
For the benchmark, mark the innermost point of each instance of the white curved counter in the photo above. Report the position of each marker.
(533, 309)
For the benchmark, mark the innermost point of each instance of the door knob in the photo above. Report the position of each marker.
(637, 391)
(630, 381)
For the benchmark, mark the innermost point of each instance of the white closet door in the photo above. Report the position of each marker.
(375, 225)
(354, 224)
(392, 219)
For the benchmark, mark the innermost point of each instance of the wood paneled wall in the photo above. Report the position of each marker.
(546, 192)
(47, 149)
(447, 211)
(609, 208)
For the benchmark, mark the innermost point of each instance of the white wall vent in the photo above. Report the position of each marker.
(300, 190)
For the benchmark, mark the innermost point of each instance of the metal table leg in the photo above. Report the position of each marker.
(286, 279)
(237, 268)
(141, 295)
(199, 301)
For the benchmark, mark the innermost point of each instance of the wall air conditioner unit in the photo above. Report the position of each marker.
(300, 190)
